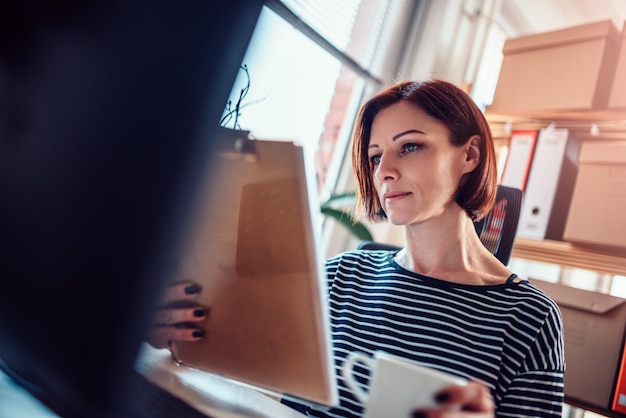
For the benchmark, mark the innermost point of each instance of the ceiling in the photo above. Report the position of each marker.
(523, 17)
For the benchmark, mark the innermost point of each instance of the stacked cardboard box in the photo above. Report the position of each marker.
(567, 69)
(617, 99)
(596, 213)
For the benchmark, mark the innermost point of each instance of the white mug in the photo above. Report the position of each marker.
(398, 386)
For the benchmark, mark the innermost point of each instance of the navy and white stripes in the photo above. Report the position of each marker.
(508, 336)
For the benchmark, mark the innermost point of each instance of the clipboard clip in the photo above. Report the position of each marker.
(236, 144)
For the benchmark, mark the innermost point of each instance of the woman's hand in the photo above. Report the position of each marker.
(471, 400)
(177, 316)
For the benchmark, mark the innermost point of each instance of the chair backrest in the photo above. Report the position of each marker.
(497, 230)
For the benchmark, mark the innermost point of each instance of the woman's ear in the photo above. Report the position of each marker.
(472, 153)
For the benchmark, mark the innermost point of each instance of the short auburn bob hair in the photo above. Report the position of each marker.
(453, 107)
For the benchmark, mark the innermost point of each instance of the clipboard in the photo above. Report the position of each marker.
(253, 247)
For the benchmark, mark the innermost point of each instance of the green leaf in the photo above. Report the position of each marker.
(345, 198)
(355, 227)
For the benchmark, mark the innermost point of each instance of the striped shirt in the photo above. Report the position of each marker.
(508, 336)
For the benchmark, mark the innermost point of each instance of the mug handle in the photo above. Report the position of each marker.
(347, 372)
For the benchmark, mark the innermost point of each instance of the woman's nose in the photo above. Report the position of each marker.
(387, 169)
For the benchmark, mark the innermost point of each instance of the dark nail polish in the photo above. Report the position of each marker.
(198, 334)
(442, 397)
(191, 289)
(418, 415)
(199, 313)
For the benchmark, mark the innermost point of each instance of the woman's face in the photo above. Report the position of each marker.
(416, 169)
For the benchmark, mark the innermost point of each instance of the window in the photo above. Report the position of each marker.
(310, 64)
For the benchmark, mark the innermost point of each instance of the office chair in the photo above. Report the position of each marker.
(496, 230)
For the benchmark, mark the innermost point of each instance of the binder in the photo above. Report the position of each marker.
(619, 396)
(518, 162)
(550, 185)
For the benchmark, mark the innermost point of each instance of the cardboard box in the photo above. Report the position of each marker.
(594, 335)
(596, 212)
(567, 69)
(617, 99)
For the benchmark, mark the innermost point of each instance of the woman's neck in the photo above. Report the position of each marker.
(448, 248)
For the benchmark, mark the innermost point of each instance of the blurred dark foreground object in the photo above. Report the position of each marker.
(106, 113)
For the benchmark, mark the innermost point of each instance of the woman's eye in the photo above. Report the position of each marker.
(375, 159)
(411, 147)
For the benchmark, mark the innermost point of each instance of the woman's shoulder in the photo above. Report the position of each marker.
(361, 258)
(362, 255)
(533, 295)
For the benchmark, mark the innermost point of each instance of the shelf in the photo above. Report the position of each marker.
(596, 258)
(612, 126)
(611, 123)
(561, 115)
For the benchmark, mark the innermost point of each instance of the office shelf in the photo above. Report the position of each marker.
(596, 258)
(611, 126)
(611, 123)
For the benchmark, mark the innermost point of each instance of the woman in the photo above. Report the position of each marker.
(423, 158)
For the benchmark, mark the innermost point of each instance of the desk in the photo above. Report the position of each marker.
(17, 402)
(216, 396)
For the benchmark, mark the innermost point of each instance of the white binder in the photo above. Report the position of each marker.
(550, 185)
(519, 159)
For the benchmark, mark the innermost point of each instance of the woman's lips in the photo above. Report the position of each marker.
(391, 196)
